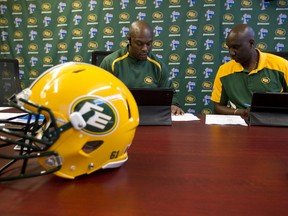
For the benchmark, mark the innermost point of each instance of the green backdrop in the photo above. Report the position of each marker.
(189, 35)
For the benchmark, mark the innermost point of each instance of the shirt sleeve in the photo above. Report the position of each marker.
(217, 88)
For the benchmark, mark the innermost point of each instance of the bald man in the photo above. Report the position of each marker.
(136, 66)
(249, 71)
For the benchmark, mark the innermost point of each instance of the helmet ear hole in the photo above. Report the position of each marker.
(92, 146)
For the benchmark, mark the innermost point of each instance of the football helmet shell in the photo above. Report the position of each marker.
(90, 119)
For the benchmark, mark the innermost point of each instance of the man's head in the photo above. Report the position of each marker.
(140, 39)
(240, 42)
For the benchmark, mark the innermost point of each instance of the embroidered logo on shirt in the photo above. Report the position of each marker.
(148, 80)
(265, 80)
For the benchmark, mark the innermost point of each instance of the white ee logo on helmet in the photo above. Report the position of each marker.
(100, 116)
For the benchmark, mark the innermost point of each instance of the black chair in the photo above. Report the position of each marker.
(98, 56)
(9, 79)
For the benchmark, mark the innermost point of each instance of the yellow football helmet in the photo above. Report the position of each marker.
(80, 119)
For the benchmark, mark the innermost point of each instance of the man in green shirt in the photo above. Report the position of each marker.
(136, 66)
(250, 71)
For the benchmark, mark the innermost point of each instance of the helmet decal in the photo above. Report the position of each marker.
(103, 118)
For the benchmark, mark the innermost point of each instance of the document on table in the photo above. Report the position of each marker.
(185, 117)
(4, 108)
(6, 116)
(225, 120)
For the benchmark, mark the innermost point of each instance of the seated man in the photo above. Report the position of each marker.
(136, 66)
(250, 71)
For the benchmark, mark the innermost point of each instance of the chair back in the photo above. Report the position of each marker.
(98, 56)
(9, 79)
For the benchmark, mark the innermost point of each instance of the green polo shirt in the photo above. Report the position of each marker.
(150, 73)
(233, 84)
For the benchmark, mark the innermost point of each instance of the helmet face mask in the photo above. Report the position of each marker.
(90, 118)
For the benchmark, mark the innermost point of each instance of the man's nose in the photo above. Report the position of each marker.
(145, 47)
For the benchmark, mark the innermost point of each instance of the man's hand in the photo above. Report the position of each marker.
(175, 110)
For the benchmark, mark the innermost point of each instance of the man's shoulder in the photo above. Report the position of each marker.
(118, 53)
(156, 58)
(229, 65)
(274, 56)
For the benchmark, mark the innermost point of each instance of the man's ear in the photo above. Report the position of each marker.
(251, 42)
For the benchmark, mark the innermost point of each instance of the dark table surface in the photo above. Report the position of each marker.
(188, 168)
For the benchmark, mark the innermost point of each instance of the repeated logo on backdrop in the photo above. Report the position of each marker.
(189, 36)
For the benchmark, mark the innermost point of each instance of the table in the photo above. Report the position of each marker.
(188, 168)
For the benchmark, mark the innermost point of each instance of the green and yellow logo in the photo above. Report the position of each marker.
(92, 18)
(208, 57)
(209, 1)
(3, 21)
(32, 21)
(174, 58)
(100, 115)
(265, 80)
(108, 3)
(78, 58)
(190, 98)
(191, 43)
(208, 28)
(262, 46)
(47, 60)
(190, 71)
(263, 17)
(228, 17)
(246, 3)
(282, 3)
(157, 44)
(224, 46)
(157, 15)
(140, 2)
(174, 29)
(92, 45)
(175, 84)
(62, 46)
(123, 43)
(207, 85)
(16, 8)
(47, 34)
(192, 14)
(62, 19)
(280, 32)
(5, 48)
(20, 60)
(76, 5)
(33, 47)
(77, 32)
(174, 2)
(46, 7)
(33, 73)
(206, 111)
(124, 16)
(108, 31)
(148, 80)
(18, 34)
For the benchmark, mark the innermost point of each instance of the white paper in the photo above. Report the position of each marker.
(5, 116)
(4, 108)
(185, 117)
(225, 120)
